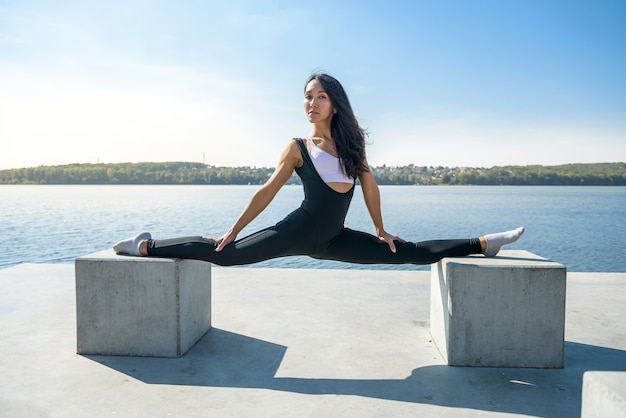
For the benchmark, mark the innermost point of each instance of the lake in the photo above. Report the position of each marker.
(583, 228)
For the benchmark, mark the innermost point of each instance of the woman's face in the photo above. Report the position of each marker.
(317, 104)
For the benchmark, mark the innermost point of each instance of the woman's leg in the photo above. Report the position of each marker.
(262, 245)
(360, 247)
(291, 236)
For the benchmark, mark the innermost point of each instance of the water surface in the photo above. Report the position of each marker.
(581, 227)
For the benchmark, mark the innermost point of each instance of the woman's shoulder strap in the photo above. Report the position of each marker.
(300, 143)
(303, 150)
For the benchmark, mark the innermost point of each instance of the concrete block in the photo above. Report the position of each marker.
(141, 306)
(506, 311)
(604, 395)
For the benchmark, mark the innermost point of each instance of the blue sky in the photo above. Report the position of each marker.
(456, 83)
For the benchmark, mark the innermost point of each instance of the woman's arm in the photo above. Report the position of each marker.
(371, 194)
(289, 160)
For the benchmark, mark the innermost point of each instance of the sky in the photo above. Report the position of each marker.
(438, 83)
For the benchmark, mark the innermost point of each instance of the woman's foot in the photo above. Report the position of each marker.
(131, 245)
(496, 241)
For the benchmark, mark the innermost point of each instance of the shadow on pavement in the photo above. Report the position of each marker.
(225, 359)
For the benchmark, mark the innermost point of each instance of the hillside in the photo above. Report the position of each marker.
(597, 174)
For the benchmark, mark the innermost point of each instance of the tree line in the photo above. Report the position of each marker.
(599, 174)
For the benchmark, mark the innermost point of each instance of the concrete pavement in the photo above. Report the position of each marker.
(289, 342)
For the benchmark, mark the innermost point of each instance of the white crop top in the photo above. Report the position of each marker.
(328, 166)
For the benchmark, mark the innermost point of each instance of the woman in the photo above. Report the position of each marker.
(328, 162)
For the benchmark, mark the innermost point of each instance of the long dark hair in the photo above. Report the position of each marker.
(348, 135)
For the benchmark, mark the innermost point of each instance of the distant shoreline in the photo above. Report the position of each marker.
(188, 173)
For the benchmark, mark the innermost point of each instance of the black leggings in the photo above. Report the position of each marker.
(300, 234)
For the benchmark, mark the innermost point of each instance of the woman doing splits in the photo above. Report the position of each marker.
(328, 161)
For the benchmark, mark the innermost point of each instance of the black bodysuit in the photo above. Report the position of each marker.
(315, 229)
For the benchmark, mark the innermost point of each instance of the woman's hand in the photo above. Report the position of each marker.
(389, 238)
(223, 241)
